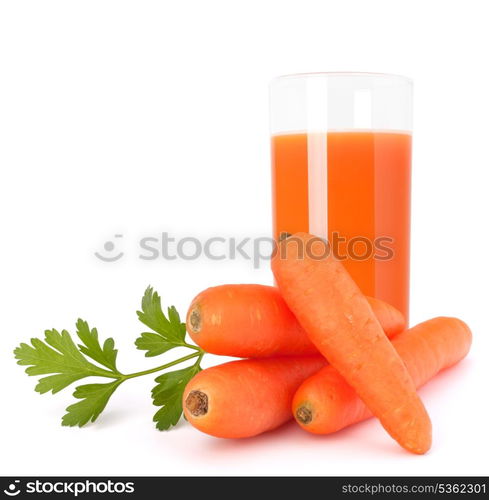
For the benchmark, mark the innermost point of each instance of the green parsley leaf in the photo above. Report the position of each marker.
(105, 355)
(94, 398)
(168, 394)
(59, 356)
(168, 332)
(153, 343)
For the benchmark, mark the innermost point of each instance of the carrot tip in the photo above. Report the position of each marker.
(197, 403)
(303, 415)
(195, 320)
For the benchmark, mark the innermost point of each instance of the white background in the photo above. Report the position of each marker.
(138, 117)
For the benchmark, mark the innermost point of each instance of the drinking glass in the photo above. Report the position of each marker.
(341, 170)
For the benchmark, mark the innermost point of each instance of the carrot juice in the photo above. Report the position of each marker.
(357, 194)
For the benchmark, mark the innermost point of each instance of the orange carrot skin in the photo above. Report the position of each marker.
(340, 322)
(253, 321)
(426, 349)
(391, 319)
(249, 396)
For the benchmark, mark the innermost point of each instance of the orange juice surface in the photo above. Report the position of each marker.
(356, 192)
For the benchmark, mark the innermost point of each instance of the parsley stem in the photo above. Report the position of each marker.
(201, 355)
(164, 367)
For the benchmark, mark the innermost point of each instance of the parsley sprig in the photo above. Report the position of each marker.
(65, 361)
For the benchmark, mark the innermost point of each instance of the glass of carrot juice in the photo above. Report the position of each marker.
(341, 169)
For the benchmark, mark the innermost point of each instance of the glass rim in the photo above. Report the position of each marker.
(353, 74)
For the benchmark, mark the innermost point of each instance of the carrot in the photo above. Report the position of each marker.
(253, 321)
(246, 397)
(325, 403)
(340, 322)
